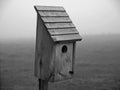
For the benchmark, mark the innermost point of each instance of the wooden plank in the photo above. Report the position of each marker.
(62, 31)
(49, 8)
(56, 19)
(59, 25)
(74, 37)
(47, 49)
(38, 51)
(63, 61)
(73, 59)
(43, 67)
(50, 14)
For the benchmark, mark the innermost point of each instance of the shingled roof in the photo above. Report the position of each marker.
(58, 23)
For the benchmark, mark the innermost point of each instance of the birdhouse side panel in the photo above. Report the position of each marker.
(73, 58)
(43, 53)
(47, 56)
(38, 49)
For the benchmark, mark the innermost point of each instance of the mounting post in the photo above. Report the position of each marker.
(43, 84)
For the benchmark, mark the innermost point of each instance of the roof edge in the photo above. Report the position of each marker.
(51, 8)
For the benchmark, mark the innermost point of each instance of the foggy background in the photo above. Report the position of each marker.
(97, 62)
(18, 17)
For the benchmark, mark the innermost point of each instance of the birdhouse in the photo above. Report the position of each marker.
(56, 38)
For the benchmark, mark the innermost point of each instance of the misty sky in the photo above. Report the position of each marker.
(18, 17)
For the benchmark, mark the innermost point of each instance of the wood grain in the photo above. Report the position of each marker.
(56, 19)
(59, 25)
(74, 37)
(55, 32)
(43, 53)
(49, 8)
(52, 14)
(63, 61)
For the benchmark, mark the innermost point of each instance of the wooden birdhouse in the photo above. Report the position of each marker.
(56, 38)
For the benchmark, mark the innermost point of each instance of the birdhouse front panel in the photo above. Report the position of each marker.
(63, 61)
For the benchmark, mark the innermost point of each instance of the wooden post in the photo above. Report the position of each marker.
(43, 84)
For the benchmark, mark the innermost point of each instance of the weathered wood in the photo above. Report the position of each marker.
(63, 61)
(43, 59)
(52, 14)
(54, 32)
(59, 25)
(56, 19)
(74, 53)
(74, 37)
(49, 8)
(38, 51)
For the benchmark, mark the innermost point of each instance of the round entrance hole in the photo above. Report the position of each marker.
(64, 49)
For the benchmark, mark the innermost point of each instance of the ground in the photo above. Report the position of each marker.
(97, 65)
